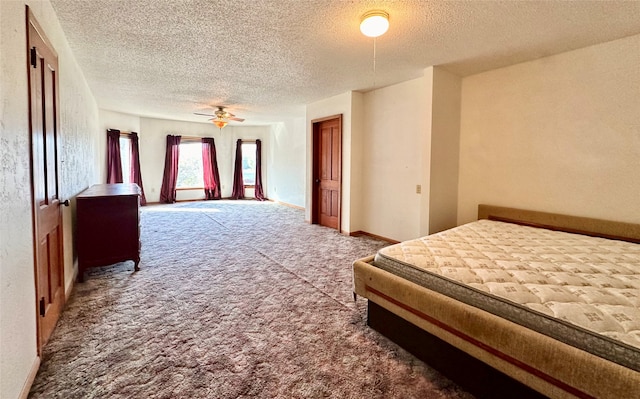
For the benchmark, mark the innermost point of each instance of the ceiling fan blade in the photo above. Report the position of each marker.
(221, 114)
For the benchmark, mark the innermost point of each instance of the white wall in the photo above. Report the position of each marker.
(78, 126)
(559, 134)
(392, 160)
(287, 162)
(355, 157)
(444, 151)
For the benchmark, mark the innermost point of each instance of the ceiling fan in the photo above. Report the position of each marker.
(221, 117)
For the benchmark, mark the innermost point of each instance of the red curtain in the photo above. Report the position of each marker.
(210, 169)
(136, 174)
(238, 183)
(170, 176)
(259, 193)
(114, 163)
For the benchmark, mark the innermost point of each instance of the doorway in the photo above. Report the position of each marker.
(327, 172)
(47, 214)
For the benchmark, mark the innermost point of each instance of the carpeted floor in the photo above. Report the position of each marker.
(234, 299)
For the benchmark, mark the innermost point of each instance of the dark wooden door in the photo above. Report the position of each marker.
(327, 171)
(47, 214)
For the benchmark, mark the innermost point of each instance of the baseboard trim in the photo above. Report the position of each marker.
(289, 205)
(204, 199)
(361, 233)
(30, 378)
(69, 288)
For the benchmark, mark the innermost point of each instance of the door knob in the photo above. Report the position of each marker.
(317, 181)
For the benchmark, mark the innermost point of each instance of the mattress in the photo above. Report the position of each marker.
(583, 291)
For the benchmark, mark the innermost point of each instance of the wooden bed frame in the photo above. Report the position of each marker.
(487, 355)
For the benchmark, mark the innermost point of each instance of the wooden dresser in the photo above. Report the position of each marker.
(108, 217)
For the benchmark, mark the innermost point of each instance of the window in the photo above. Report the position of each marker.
(249, 163)
(125, 158)
(190, 166)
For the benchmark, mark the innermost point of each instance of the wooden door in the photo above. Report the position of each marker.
(47, 214)
(327, 142)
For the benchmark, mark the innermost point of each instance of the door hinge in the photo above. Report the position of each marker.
(34, 57)
(42, 309)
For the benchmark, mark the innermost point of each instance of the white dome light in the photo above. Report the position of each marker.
(374, 23)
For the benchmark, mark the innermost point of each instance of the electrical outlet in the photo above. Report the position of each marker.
(418, 188)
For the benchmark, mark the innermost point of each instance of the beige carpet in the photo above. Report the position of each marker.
(234, 299)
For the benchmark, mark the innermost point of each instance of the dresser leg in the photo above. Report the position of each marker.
(136, 266)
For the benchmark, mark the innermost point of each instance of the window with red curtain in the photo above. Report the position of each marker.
(123, 155)
(114, 161)
(249, 163)
(135, 172)
(210, 169)
(238, 183)
(248, 169)
(170, 175)
(259, 192)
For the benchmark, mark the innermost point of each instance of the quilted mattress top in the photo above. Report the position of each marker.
(593, 283)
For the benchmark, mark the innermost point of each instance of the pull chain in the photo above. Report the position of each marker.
(374, 62)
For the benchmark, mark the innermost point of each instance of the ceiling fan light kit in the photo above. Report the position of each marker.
(220, 123)
(374, 23)
(221, 117)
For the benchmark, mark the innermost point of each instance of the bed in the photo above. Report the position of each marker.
(550, 302)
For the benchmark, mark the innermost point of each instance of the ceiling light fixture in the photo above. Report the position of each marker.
(220, 123)
(374, 23)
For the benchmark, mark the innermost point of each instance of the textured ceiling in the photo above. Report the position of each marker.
(266, 59)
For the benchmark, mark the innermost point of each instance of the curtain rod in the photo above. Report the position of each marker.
(122, 133)
(193, 138)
